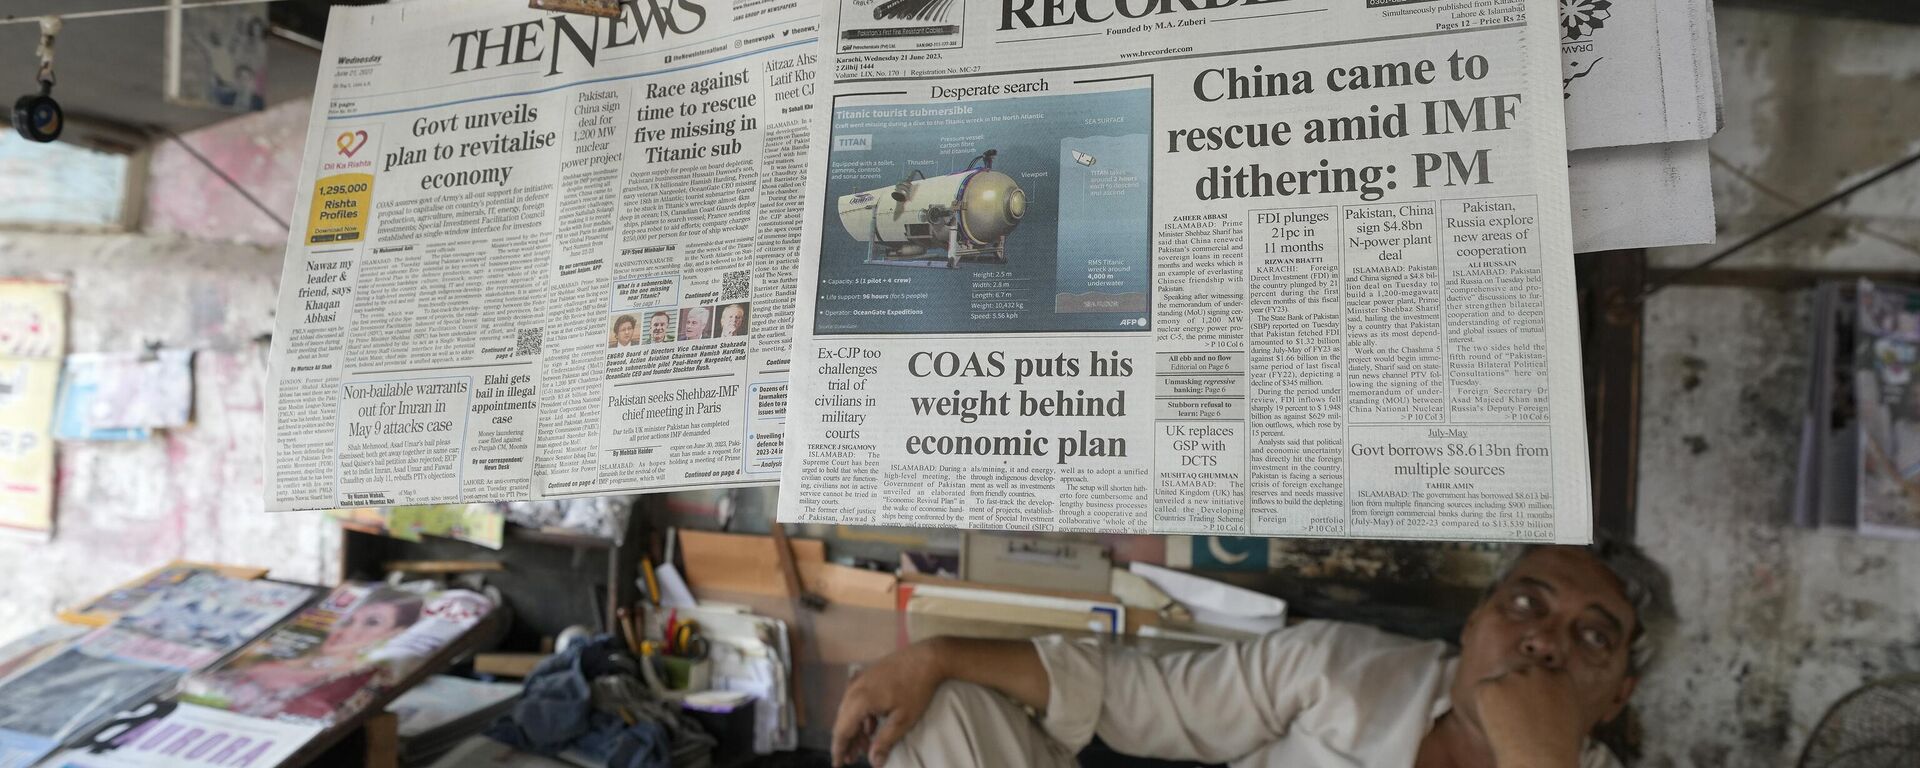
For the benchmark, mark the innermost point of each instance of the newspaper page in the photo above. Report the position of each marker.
(540, 255)
(1639, 72)
(1280, 267)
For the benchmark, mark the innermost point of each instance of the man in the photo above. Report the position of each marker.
(659, 328)
(1552, 651)
(626, 331)
(733, 320)
(694, 322)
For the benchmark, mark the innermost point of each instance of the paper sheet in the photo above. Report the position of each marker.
(1647, 196)
(1218, 604)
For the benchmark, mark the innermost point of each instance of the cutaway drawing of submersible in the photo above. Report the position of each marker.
(968, 214)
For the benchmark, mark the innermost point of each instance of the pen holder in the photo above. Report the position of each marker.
(688, 674)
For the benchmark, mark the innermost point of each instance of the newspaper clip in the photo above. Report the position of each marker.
(606, 9)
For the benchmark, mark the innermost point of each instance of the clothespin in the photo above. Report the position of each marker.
(607, 9)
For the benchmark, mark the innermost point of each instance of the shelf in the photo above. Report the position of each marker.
(556, 538)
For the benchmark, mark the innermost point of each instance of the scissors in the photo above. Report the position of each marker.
(686, 641)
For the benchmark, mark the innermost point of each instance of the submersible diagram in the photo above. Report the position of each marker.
(967, 214)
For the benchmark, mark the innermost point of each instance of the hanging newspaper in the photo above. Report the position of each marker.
(1282, 267)
(540, 255)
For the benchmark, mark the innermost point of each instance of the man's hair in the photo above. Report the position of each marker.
(1643, 581)
(624, 320)
(662, 314)
(406, 605)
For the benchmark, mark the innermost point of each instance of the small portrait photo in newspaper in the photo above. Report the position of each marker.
(695, 323)
(625, 331)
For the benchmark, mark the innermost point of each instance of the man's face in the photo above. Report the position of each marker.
(363, 628)
(1559, 609)
(658, 325)
(627, 333)
(693, 324)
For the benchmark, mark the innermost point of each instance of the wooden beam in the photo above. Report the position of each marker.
(1897, 11)
(1611, 325)
(1776, 278)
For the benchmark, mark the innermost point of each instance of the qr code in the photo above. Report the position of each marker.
(734, 285)
(527, 342)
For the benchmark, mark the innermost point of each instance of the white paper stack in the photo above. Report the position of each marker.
(1217, 605)
(1642, 87)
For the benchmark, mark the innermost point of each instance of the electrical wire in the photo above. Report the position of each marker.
(231, 182)
(13, 19)
(1766, 189)
(1789, 221)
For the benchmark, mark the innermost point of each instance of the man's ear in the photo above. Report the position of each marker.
(1618, 703)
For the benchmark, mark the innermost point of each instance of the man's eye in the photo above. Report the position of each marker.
(1523, 602)
(1596, 639)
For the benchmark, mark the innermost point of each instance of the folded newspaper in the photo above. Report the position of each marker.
(339, 655)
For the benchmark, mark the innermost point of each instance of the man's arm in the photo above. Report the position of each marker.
(1210, 706)
(888, 697)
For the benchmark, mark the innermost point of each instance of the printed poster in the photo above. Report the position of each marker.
(33, 336)
(217, 57)
(124, 396)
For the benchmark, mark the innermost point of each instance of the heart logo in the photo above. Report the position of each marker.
(346, 143)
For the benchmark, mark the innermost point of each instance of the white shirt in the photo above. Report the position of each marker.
(1321, 694)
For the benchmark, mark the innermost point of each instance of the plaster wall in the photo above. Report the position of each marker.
(1777, 622)
(194, 493)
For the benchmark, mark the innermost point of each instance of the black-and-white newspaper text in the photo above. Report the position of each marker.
(539, 255)
(1272, 267)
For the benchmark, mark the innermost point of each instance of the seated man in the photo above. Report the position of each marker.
(1552, 651)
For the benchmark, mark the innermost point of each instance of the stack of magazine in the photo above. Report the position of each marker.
(199, 668)
(337, 657)
(1859, 466)
(187, 626)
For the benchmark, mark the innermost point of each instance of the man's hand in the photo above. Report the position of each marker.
(1531, 717)
(884, 702)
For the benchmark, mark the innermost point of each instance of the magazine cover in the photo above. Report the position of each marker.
(210, 611)
(338, 655)
(177, 628)
(102, 610)
(168, 734)
(36, 646)
(63, 696)
(1886, 354)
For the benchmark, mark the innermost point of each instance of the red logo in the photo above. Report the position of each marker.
(350, 142)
